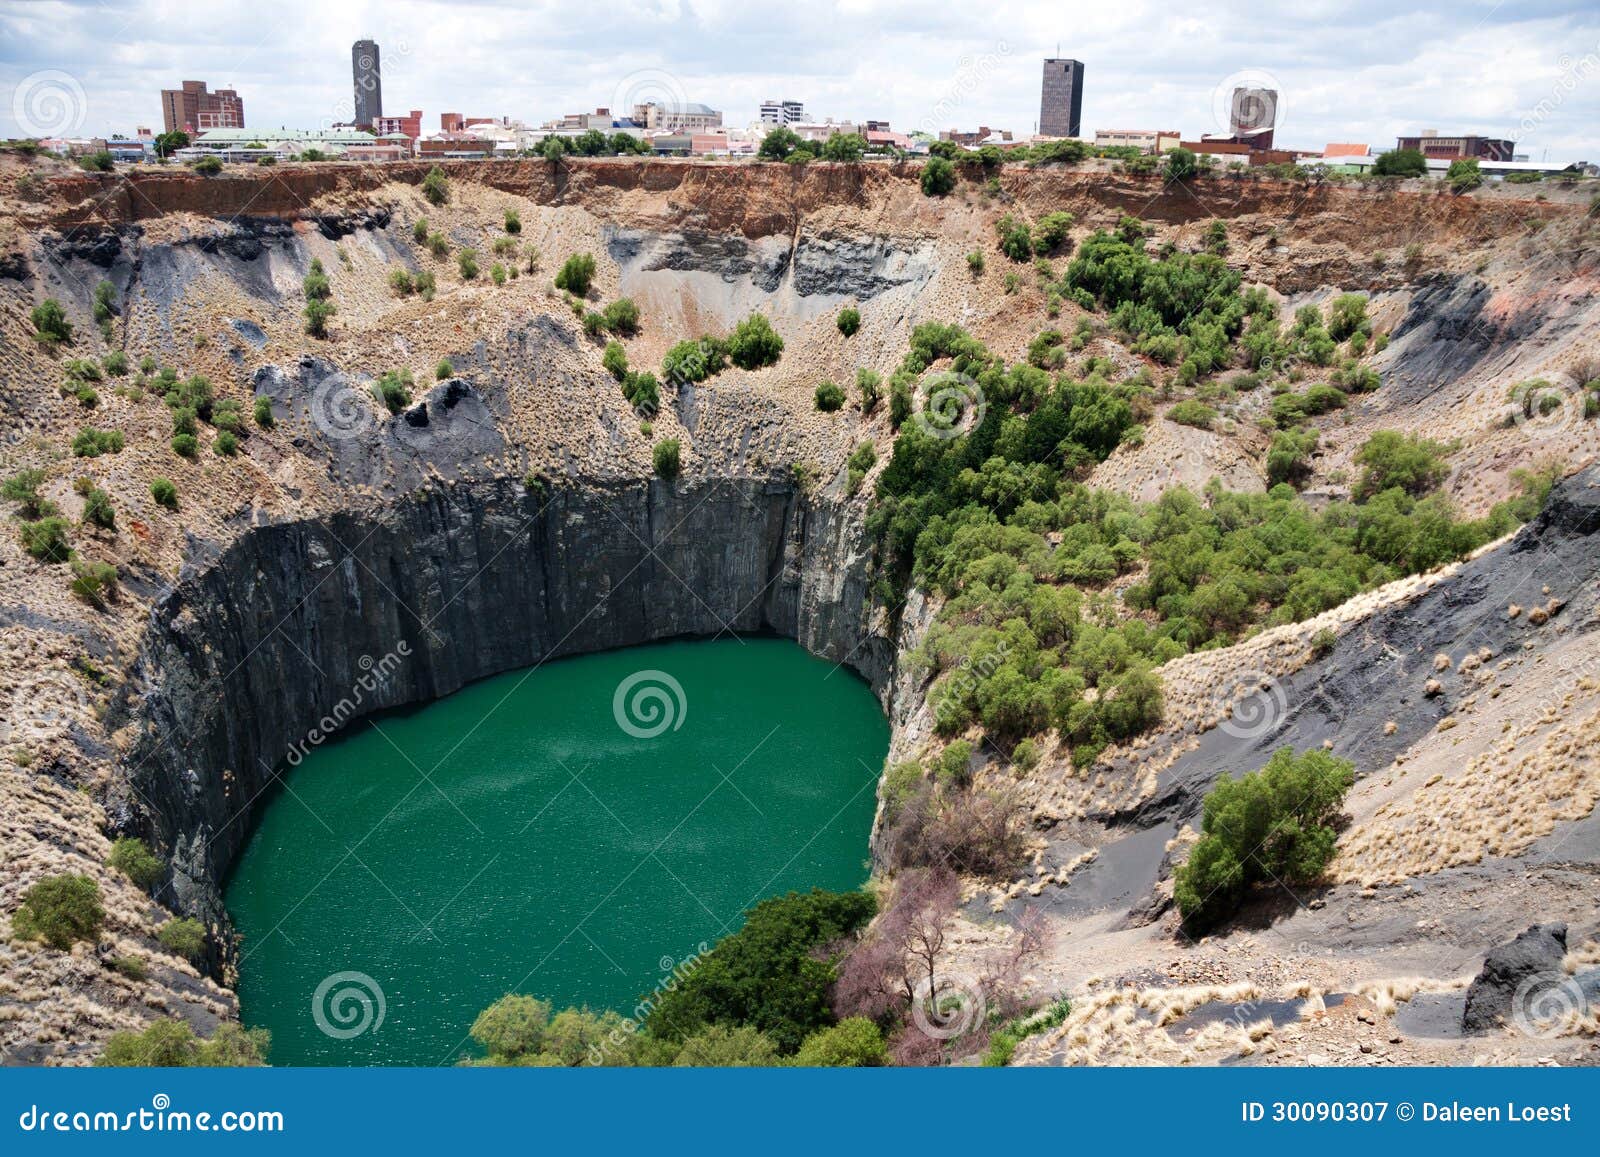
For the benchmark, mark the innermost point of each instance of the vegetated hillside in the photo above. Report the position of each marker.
(1083, 331)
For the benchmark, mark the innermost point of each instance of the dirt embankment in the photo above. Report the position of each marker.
(761, 200)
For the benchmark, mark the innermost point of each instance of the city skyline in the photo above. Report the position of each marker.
(1381, 72)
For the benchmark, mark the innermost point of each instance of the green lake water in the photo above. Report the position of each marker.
(516, 837)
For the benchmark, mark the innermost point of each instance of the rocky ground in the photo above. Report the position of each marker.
(1469, 698)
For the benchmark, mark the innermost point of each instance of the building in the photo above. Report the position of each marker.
(819, 131)
(687, 118)
(1226, 150)
(368, 82)
(1431, 145)
(1152, 141)
(191, 109)
(884, 141)
(1253, 115)
(1061, 98)
(984, 136)
(250, 145)
(782, 112)
(408, 126)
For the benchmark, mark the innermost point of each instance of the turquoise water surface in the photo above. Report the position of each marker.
(543, 832)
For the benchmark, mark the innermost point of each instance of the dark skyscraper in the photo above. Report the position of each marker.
(369, 82)
(1061, 101)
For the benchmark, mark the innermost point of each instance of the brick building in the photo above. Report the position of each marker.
(1431, 145)
(191, 109)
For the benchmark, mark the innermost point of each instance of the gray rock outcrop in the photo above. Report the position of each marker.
(1492, 997)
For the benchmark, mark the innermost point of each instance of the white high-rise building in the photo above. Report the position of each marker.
(782, 112)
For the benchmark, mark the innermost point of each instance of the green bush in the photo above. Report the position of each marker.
(133, 858)
(91, 581)
(576, 274)
(721, 1047)
(513, 221)
(436, 186)
(226, 444)
(665, 457)
(419, 230)
(207, 166)
(1289, 457)
(1415, 465)
(754, 343)
(443, 370)
(50, 324)
(185, 445)
(46, 539)
(829, 397)
(91, 443)
(938, 177)
(317, 312)
(115, 363)
(622, 316)
(768, 975)
(184, 937)
(1052, 232)
(694, 361)
(862, 459)
(1464, 174)
(97, 509)
(1016, 239)
(870, 386)
(467, 264)
(262, 412)
(1192, 413)
(60, 910)
(23, 487)
(848, 321)
(642, 391)
(164, 493)
(393, 389)
(976, 262)
(172, 1044)
(854, 1042)
(1401, 163)
(1274, 824)
(615, 360)
(1347, 316)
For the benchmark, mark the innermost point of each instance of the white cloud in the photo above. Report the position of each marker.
(1364, 71)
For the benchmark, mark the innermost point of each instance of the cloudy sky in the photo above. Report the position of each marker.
(1364, 71)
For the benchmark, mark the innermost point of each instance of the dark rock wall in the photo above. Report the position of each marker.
(410, 601)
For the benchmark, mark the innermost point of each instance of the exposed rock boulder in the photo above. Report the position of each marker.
(1489, 1001)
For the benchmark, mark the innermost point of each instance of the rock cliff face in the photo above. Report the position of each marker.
(299, 628)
